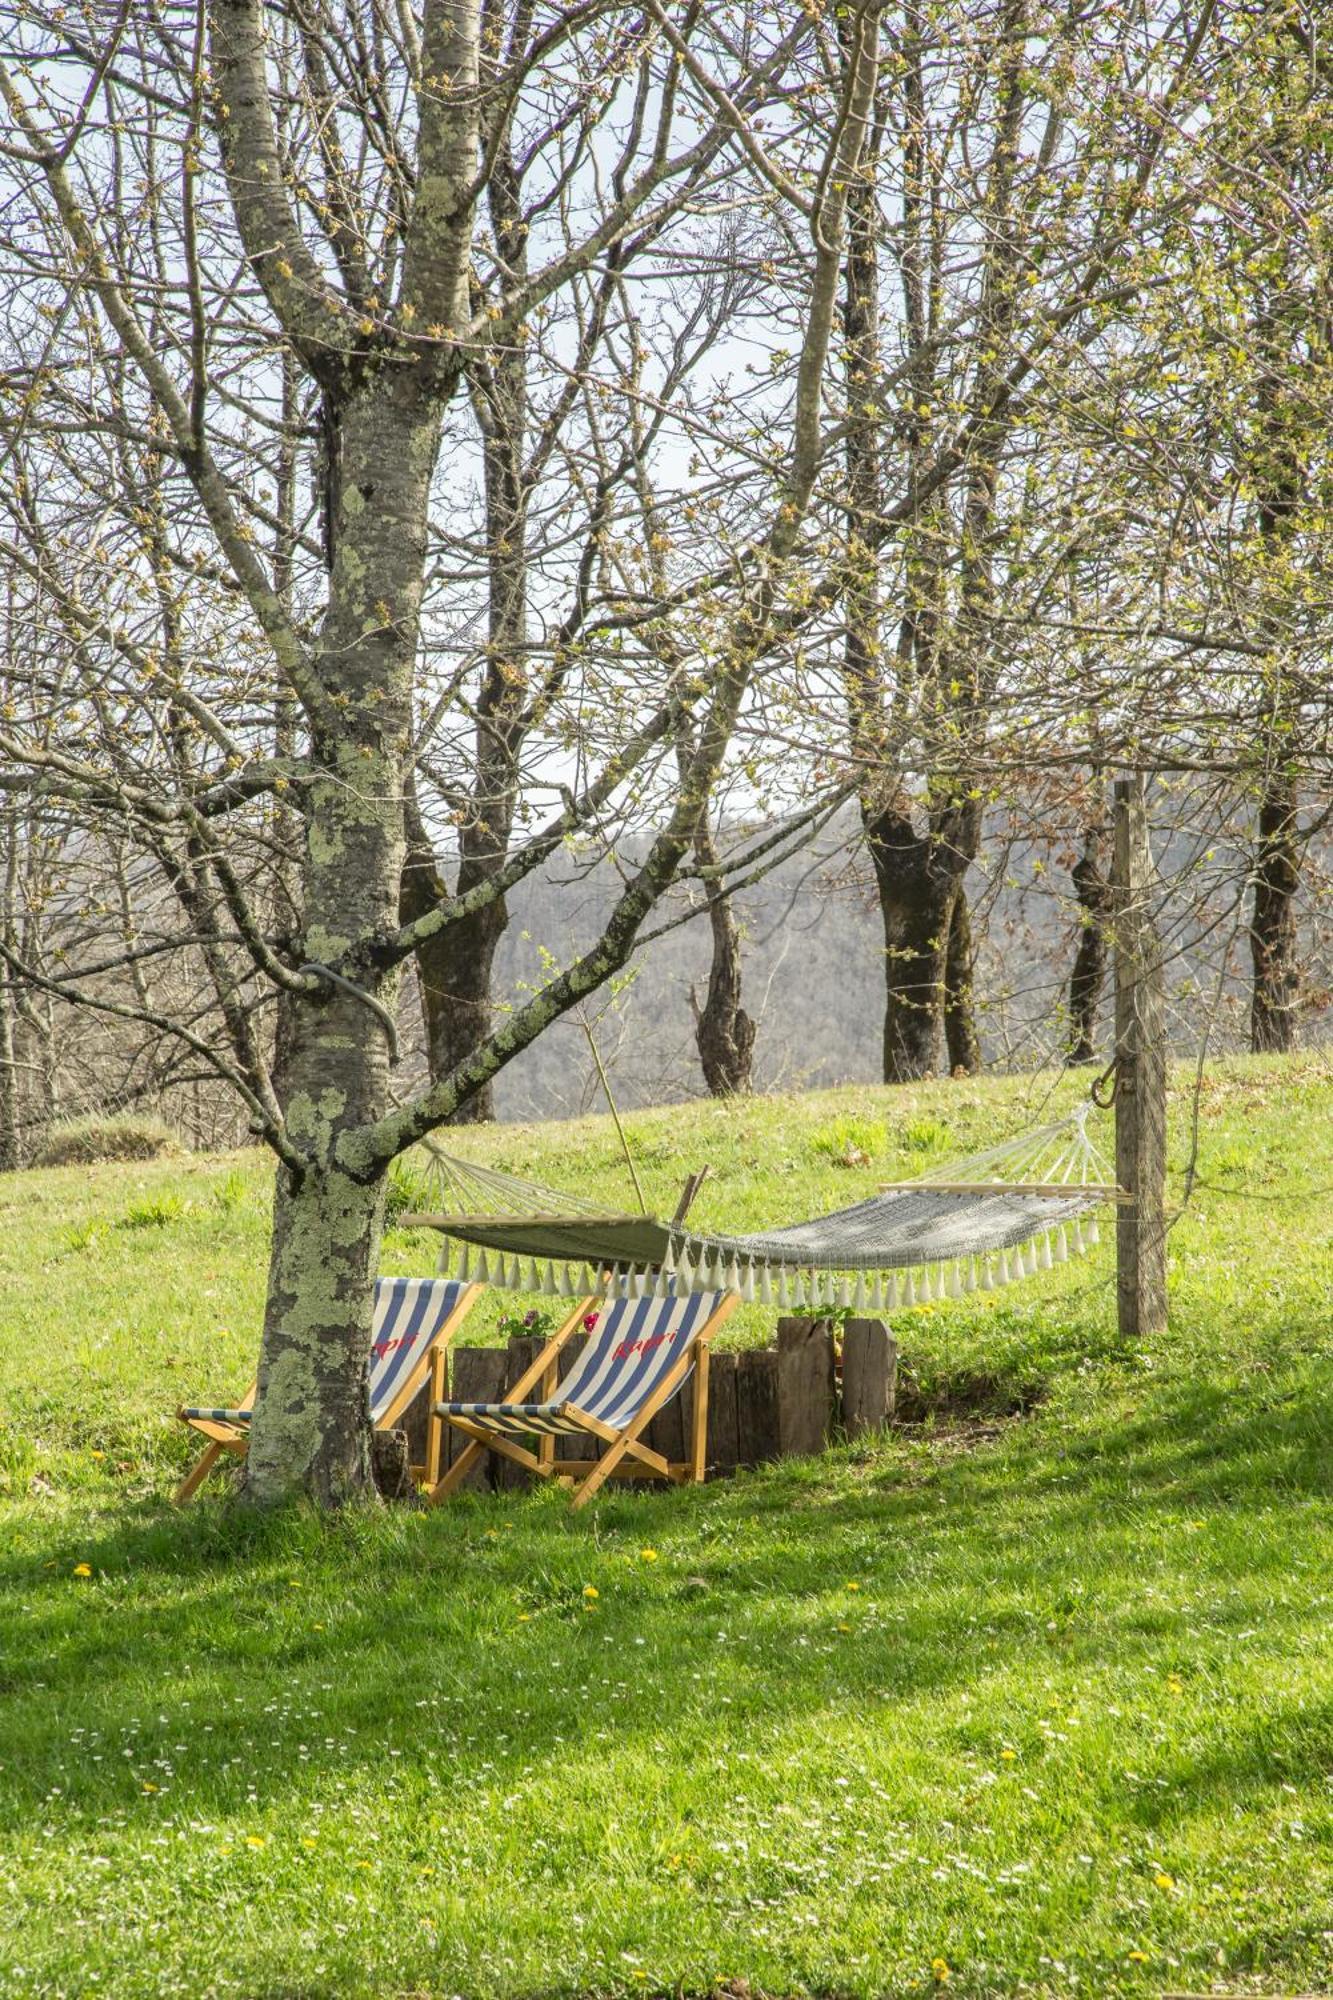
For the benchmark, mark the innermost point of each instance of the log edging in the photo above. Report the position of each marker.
(819, 1383)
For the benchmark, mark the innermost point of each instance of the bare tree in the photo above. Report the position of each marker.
(1217, 417)
(342, 234)
(1290, 340)
(1008, 218)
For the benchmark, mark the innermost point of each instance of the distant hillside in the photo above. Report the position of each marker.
(813, 976)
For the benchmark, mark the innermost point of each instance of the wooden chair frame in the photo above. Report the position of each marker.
(234, 1439)
(627, 1457)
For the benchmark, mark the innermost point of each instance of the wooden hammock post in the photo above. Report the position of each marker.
(1140, 1093)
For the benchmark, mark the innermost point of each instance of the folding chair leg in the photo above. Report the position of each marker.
(456, 1474)
(699, 1426)
(435, 1424)
(605, 1467)
(546, 1443)
(196, 1476)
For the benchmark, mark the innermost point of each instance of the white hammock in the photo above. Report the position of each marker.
(1000, 1215)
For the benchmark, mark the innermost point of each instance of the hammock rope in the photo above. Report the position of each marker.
(971, 1225)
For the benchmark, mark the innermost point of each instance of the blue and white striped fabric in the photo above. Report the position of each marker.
(635, 1344)
(409, 1315)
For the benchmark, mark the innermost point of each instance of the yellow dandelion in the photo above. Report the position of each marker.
(1008, 1755)
(524, 1617)
(590, 1591)
(1163, 1880)
(97, 1454)
(940, 1969)
(648, 1555)
(150, 1788)
(844, 1628)
(83, 1569)
(1137, 1957)
(308, 1840)
(255, 1840)
(853, 1586)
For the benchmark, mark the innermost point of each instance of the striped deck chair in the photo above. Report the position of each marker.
(413, 1321)
(637, 1358)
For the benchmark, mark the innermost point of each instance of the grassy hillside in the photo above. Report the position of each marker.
(1039, 1704)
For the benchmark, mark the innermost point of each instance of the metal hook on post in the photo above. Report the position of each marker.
(1101, 1096)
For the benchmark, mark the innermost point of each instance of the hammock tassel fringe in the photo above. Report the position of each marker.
(791, 1288)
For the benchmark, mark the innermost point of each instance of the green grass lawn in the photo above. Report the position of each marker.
(1041, 1706)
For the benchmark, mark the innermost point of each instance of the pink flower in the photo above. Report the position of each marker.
(589, 1321)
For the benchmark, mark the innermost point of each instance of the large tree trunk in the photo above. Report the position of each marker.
(311, 1430)
(723, 1031)
(1273, 937)
(960, 1021)
(1092, 886)
(918, 877)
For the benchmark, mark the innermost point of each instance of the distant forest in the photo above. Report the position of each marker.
(813, 973)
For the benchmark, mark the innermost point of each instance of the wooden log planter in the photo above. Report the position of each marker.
(786, 1401)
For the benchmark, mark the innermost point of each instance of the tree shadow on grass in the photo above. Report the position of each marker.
(428, 1665)
(397, 1621)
